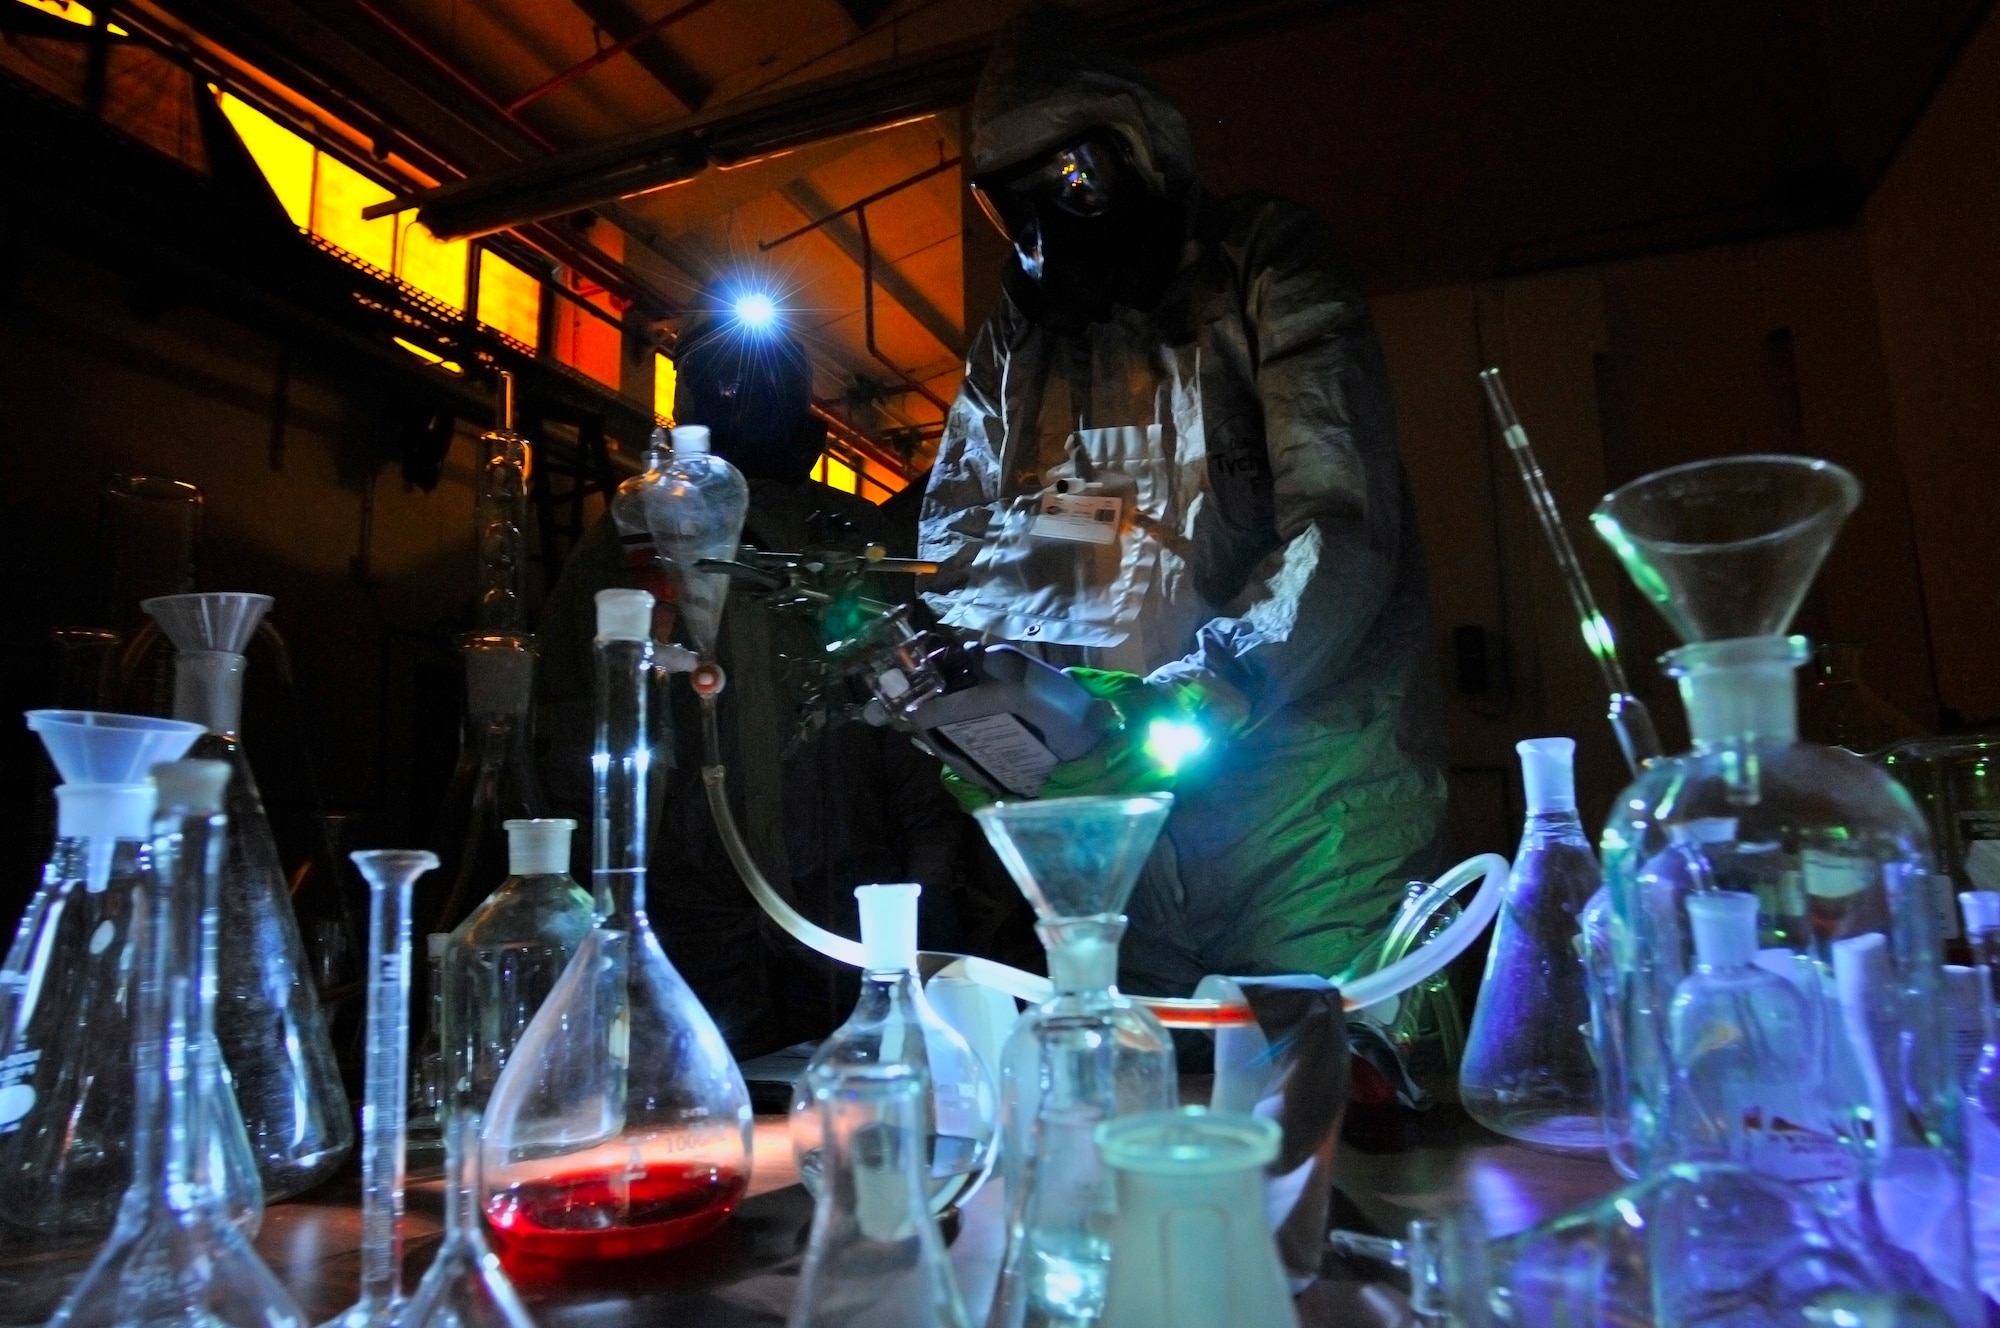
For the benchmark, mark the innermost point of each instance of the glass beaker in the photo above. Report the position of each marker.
(66, 1100)
(1832, 850)
(1692, 1246)
(504, 960)
(1527, 1071)
(1191, 1247)
(493, 783)
(620, 1126)
(893, 1025)
(175, 1257)
(274, 1040)
(876, 1258)
(697, 512)
(1086, 1056)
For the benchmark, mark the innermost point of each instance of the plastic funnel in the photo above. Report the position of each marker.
(1076, 857)
(96, 747)
(221, 620)
(1727, 548)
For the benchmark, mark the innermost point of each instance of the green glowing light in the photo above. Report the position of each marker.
(1170, 742)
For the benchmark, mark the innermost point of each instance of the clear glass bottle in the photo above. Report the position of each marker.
(697, 512)
(465, 1286)
(620, 1126)
(423, 1126)
(1527, 1070)
(274, 1040)
(876, 1258)
(1086, 1056)
(66, 1106)
(1832, 850)
(175, 1257)
(643, 569)
(504, 960)
(893, 1024)
(1694, 1245)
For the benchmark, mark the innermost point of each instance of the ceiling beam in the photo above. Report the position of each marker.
(888, 92)
(655, 54)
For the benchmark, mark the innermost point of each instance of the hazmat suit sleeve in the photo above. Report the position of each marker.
(1304, 615)
(961, 504)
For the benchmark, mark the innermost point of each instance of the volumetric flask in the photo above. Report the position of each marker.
(274, 1040)
(620, 1126)
(65, 1099)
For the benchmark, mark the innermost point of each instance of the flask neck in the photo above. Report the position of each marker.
(208, 689)
(1083, 952)
(1741, 691)
(620, 762)
(1547, 827)
(461, 1190)
(872, 1128)
(499, 676)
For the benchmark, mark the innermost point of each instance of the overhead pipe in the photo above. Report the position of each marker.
(611, 52)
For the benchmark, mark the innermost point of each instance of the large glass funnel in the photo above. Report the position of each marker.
(1076, 857)
(1727, 548)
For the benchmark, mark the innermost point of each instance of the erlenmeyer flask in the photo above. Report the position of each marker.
(493, 783)
(1831, 849)
(1086, 1056)
(1192, 1247)
(876, 1258)
(620, 1125)
(175, 1258)
(1527, 1070)
(502, 962)
(697, 513)
(893, 1025)
(66, 1100)
(465, 1286)
(1692, 1246)
(274, 1041)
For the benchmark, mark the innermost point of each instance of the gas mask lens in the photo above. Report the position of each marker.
(1082, 180)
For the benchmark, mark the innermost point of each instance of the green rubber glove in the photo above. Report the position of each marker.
(1156, 728)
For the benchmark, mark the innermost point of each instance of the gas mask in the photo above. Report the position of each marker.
(1088, 230)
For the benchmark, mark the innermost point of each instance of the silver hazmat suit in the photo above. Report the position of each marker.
(1274, 549)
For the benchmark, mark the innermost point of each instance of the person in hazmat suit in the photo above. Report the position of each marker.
(1173, 462)
(826, 803)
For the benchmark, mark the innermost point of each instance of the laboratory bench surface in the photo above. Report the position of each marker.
(744, 1274)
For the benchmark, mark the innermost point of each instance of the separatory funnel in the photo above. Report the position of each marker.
(175, 1256)
(643, 568)
(1527, 1070)
(502, 962)
(697, 512)
(1086, 1056)
(66, 1101)
(620, 1126)
(1830, 851)
(1192, 1247)
(274, 1040)
(876, 1258)
(893, 1025)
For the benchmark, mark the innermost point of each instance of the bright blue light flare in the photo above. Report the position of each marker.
(756, 311)
(1170, 742)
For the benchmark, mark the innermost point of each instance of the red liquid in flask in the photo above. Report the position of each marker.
(598, 1216)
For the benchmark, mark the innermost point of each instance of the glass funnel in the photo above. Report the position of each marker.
(620, 1126)
(893, 1025)
(66, 1101)
(696, 513)
(175, 1257)
(502, 962)
(1695, 1246)
(1527, 1070)
(1086, 1056)
(876, 1258)
(1831, 850)
(274, 1039)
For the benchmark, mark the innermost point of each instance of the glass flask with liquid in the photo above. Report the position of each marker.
(1085, 1056)
(175, 1256)
(620, 1126)
(274, 1040)
(893, 1024)
(503, 960)
(696, 511)
(1831, 849)
(1692, 1246)
(1527, 1070)
(66, 1101)
(876, 1258)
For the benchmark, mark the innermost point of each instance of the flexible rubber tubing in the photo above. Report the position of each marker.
(1171, 1011)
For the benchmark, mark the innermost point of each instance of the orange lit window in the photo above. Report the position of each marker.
(879, 483)
(435, 267)
(586, 342)
(510, 301)
(284, 157)
(339, 194)
(834, 474)
(663, 388)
